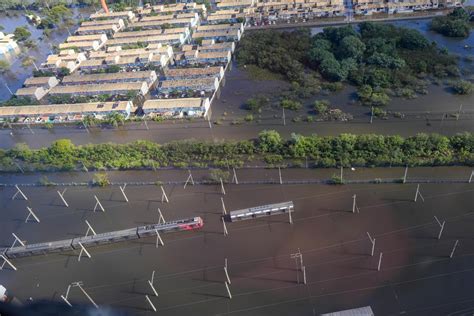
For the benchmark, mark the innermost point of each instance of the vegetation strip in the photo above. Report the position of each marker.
(268, 149)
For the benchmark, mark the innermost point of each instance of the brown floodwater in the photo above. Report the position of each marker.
(417, 277)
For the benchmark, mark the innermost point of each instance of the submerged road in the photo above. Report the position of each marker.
(199, 129)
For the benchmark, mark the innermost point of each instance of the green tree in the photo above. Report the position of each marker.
(351, 47)
(291, 104)
(4, 66)
(463, 87)
(21, 33)
(269, 141)
(321, 106)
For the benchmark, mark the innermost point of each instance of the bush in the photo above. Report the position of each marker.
(321, 106)
(256, 104)
(291, 105)
(100, 180)
(463, 87)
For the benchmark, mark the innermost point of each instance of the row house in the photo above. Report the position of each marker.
(34, 93)
(234, 4)
(118, 22)
(180, 7)
(171, 39)
(45, 82)
(225, 18)
(63, 113)
(221, 27)
(167, 23)
(210, 47)
(180, 30)
(121, 88)
(68, 59)
(109, 29)
(149, 77)
(180, 107)
(187, 85)
(125, 15)
(82, 46)
(195, 57)
(220, 35)
(201, 72)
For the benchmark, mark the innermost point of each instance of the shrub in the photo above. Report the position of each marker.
(463, 87)
(291, 105)
(100, 180)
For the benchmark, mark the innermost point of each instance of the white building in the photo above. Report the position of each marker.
(177, 107)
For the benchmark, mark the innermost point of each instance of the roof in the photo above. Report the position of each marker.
(161, 22)
(105, 88)
(107, 77)
(174, 103)
(77, 44)
(101, 22)
(218, 33)
(145, 39)
(188, 82)
(363, 311)
(138, 33)
(84, 38)
(28, 91)
(59, 109)
(212, 27)
(225, 54)
(37, 81)
(177, 72)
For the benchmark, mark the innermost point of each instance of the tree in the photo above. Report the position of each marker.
(269, 141)
(413, 40)
(21, 33)
(4, 66)
(463, 87)
(291, 104)
(321, 106)
(351, 47)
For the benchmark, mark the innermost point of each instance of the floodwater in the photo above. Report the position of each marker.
(417, 277)
(16, 76)
(423, 114)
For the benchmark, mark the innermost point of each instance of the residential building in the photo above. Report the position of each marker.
(218, 47)
(125, 15)
(7, 44)
(220, 27)
(34, 93)
(192, 73)
(176, 107)
(121, 88)
(60, 113)
(220, 35)
(149, 77)
(118, 22)
(168, 23)
(234, 4)
(45, 82)
(65, 59)
(81, 46)
(109, 29)
(225, 18)
(172, 39)
(218, 57)
(187, 85)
